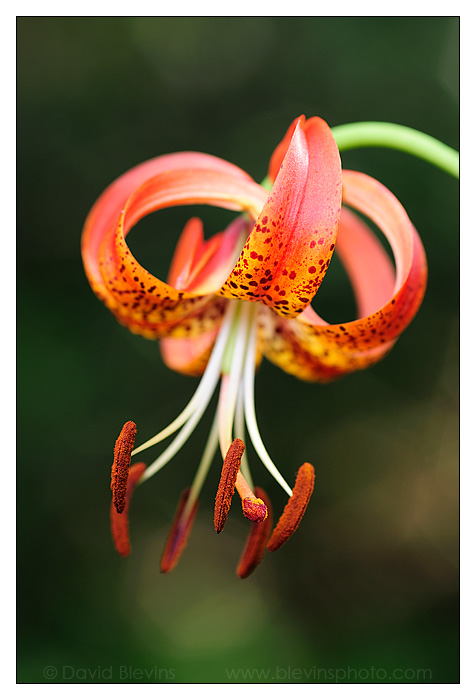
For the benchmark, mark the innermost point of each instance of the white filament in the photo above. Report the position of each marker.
(206, 387)
(250, 415)
(203, 468)
(200, 405)
(232, 384)
(236, 403)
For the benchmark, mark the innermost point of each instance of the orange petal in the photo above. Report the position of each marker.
(257, 539)
(105, 212)
(189, 248)
(310, 348)
(200, 265)
(138, 299)
(188, 355)
(295, 507)
(280, 151)
(178, 534)
(120, 521)
(289, 249)
(367, 263)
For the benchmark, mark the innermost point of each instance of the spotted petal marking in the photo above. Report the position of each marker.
(310, 348)
(289, 249)
(142, 302)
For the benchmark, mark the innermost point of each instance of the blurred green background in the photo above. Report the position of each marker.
(367, 590)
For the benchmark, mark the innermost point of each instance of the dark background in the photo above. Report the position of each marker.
(369, 584)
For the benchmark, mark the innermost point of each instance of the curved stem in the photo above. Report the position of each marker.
(400, 138)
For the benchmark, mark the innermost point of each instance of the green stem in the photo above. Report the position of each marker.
(401, 138)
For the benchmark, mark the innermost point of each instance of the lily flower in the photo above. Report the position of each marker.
(246, 293)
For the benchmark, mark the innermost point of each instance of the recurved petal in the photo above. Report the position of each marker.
(199, 265)
(289, 249)
(370, 268)
(280, 151)
(105, 212)
(189, 250)
(310, 348)
(138, 299)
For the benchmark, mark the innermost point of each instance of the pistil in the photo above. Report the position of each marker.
(232, 368)
(250, 414)
(253, 508)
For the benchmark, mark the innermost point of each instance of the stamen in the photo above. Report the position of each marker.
(256, 543)
(188, 506)
(226, 487)
(250, 414)
(206, 387)
(232, 368)
(179, 533)
(295, 507)
(120, 467)
(204, 466)
(253, 508)
(120, 521)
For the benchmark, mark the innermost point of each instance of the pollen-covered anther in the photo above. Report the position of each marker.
(226, 487)
(179, 533)
(256, 543)
(120, 521)
(295, 507)
(122, 461)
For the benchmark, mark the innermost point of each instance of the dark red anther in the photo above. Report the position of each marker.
(226, 487)
(120, 521)
(295, 507)
(178, 534)
(256, 543)
(120, 467)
